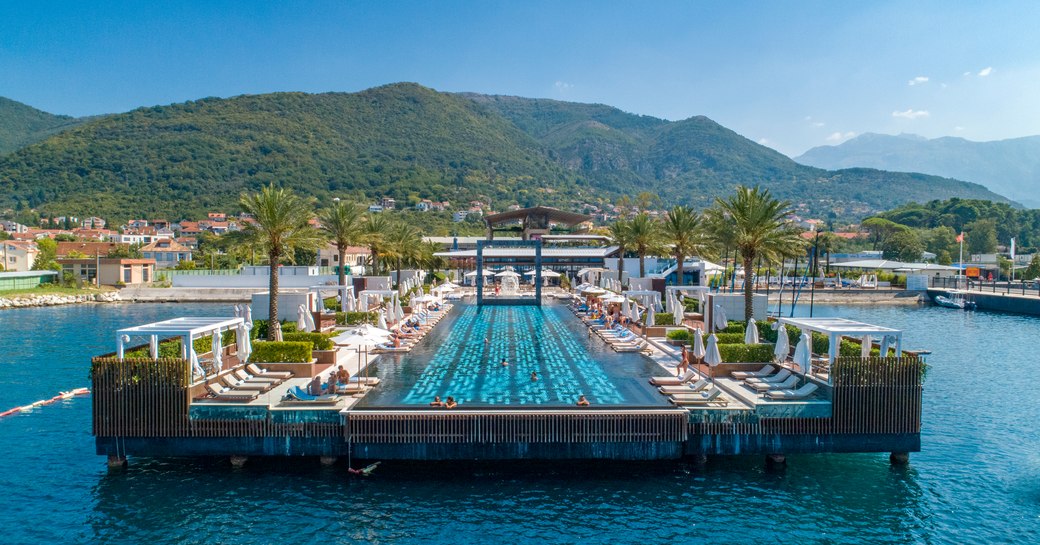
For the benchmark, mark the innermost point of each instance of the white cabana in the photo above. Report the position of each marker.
(836, 328)
(890, 265)
(345, 295)
(646, 297)
(188, 329)
(751, 333)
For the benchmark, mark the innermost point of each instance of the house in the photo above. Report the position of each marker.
(218, 227)
(86, 249)
(388, 203)
(217, 216)
(375, 208)
(355, 256)
(424, 205)
(190, 228)
(17, 255)
(111, 271)
(136, 224)
(440, 206)
(190, 242)
(166, 253)
(12, 227)
(93, 234)
(93, 222)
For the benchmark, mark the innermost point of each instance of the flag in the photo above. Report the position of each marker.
(960, 237)
(1012, 249)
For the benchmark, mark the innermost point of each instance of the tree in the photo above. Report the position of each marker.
(681, 229)
(130, 251)
(905, 245)
(401, 246)
(46, 260)
(376, 228)
(65, 237)
(343, 223)
(981, 237)
(621, 233)
(1033, 270)
(647, 238)
(881, 230)
(756, 224)
(281, 226)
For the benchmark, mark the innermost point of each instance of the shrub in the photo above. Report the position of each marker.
(735, 327)
(691, 305)
(354, 318)
(679, 335)
(730, 338)
(281, 352)
(664, 318)
(746, 353)
(260, 329)
(319, 341)
(330, 303)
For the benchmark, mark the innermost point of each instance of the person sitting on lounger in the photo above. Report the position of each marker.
(342, 375)
(314, 388)
(451, 403)
(436, 402)
(333, 384)
(582, 401)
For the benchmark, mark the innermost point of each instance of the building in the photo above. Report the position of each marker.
(424, 205)
(459, 216)
(356, 256)
(388, 203)
(18, 255)
(375, 208)
(217, 216)
(111, 271)
(166, 253)
(93, 222)
(12, 227)
(86, 249)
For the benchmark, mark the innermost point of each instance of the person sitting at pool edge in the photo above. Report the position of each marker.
(451, 403)
(582, 401)
(437, 402)
(342, 375)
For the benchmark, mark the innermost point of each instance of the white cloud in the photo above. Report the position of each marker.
(967, 74)
(764, 141)
(985, 71)
(818, 124)
(918, 81)
(839, 136)
(563, 86)
(958, 128)
(910, 113)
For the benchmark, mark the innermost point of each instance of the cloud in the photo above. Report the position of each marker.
(958, 128)
(985, 71)
(818, 124)
(563, 86)
(911, 114)
(839, 136)
(967, 74)
(918, 81)
(764, 141)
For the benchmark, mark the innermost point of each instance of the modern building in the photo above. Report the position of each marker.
(166, 253)
(111, 271)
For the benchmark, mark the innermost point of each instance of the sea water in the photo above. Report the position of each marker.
(977, 478)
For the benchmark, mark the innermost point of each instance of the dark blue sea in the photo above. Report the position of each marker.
(977, 479)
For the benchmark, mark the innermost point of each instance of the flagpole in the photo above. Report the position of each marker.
(961, 261)
(1012, 259)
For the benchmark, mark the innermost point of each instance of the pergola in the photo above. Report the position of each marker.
(188, 329)
(534, 221)
(645, 297)
(363, 296)
(346, 296)
(836, 328)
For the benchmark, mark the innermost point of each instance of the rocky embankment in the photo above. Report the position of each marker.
(53, 300)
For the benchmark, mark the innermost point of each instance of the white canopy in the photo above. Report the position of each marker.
(485, 273)
(508, 273)
(836, 328)
(890, 265)
(546, 273)
(188, 329)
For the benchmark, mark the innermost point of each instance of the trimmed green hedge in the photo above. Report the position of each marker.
(679, 335)
(664, 318)
(730, 338)
(260, 328)
(691, 305)
(281, 352)
(746, 353)
(319, 341)
(355, 318)
(735, 327)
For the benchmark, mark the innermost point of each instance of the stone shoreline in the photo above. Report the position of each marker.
(55, 300)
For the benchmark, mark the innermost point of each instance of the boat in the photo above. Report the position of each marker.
(954, 302)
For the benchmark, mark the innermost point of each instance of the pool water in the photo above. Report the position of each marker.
(462, 358)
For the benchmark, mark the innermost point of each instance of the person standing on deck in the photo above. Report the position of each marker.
(684, 362)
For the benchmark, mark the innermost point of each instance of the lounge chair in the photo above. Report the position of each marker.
(367, 381)
(256, 371)
(221, 393)
(781, 376)
(762, 387)
(673, 381)
(685, 389)
(801, 393)
(246, 377)
(765, 371)
(698, 399)
(296, 395)
(638, 347)
(235, 384)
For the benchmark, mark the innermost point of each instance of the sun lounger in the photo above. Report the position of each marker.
(220, 393)
(765, 371)
(387, 349)
(296, 396)
(630, 347)
(256, 371)
(673, 381)
(685, 388)
(698, 399)
(367, 381)
(781, 376)
(246, 377)
(235, 384)
(801, 393)
(761, 387)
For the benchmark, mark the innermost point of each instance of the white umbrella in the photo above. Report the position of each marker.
(650, 316)
(485, 273)
(309, 318)
(751, 334)
(381, 323)
(398, 311)
(712, 357)
(249, 317)
(720, 318)
(508, 273)
(803, 354)
(698, 343)
(865, 347)
(320, 303)
(783, 344)
(626, 308)
(595, 291)
(245, 347)
(365, 335)
(347, 302)
(363, 303)
(301, 319)
(218, 348)
(238, 311)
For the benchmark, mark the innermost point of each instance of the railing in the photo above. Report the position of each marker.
(1024, 287)
(199, 272)
(517, 426)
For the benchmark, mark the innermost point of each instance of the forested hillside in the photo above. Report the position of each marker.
(21, 125)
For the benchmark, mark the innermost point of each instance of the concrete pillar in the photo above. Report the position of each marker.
(899, 458)
(776, 460)
(238, 461)
(116, 462)
(328, 461)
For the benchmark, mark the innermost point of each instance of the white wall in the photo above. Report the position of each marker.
(288, 304)
(733, 305)
(251, 281)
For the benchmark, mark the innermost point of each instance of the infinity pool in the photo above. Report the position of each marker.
(462, 358)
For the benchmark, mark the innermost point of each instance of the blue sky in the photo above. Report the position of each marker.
(791, 75)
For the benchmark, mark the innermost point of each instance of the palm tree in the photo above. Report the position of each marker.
(375, 230)
(682, 230)
(281, 225)
(756, 225)
(646, 238)
(621, 233)
(401, 246)
(343, 224)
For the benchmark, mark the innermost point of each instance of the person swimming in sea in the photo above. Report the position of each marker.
(365, 471)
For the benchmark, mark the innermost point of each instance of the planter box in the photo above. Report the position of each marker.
(656, 331)
(324, 357)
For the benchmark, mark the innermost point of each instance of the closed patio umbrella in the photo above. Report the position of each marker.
(381, 323)
(363, 303)
(783, 345)
(720, 318)
(301, 320)
(249, 317)
(245, 347)
(650, 316)
(803, 354)
(751, 334)
(884, 346)
(698, 344)
(712, 357)
(218, 356)
(626, 308)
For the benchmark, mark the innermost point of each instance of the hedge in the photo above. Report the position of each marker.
(664, 318)
(355, 318)
(679, 335)
(735, 327)
(691, 305)
(260, 328)
(319, 341)
(281, 352)
(746, 353)
(730, 338)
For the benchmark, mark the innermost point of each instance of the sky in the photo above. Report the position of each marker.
(789, 75)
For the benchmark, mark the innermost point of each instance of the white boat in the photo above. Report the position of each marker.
(954, 302)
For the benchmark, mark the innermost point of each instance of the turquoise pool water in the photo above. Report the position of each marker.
(462, 358)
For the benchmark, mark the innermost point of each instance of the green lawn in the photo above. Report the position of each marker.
(52, 289)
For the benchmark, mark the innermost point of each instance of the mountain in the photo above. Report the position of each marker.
(21, 125)
(410, 142)
(1009, 167)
